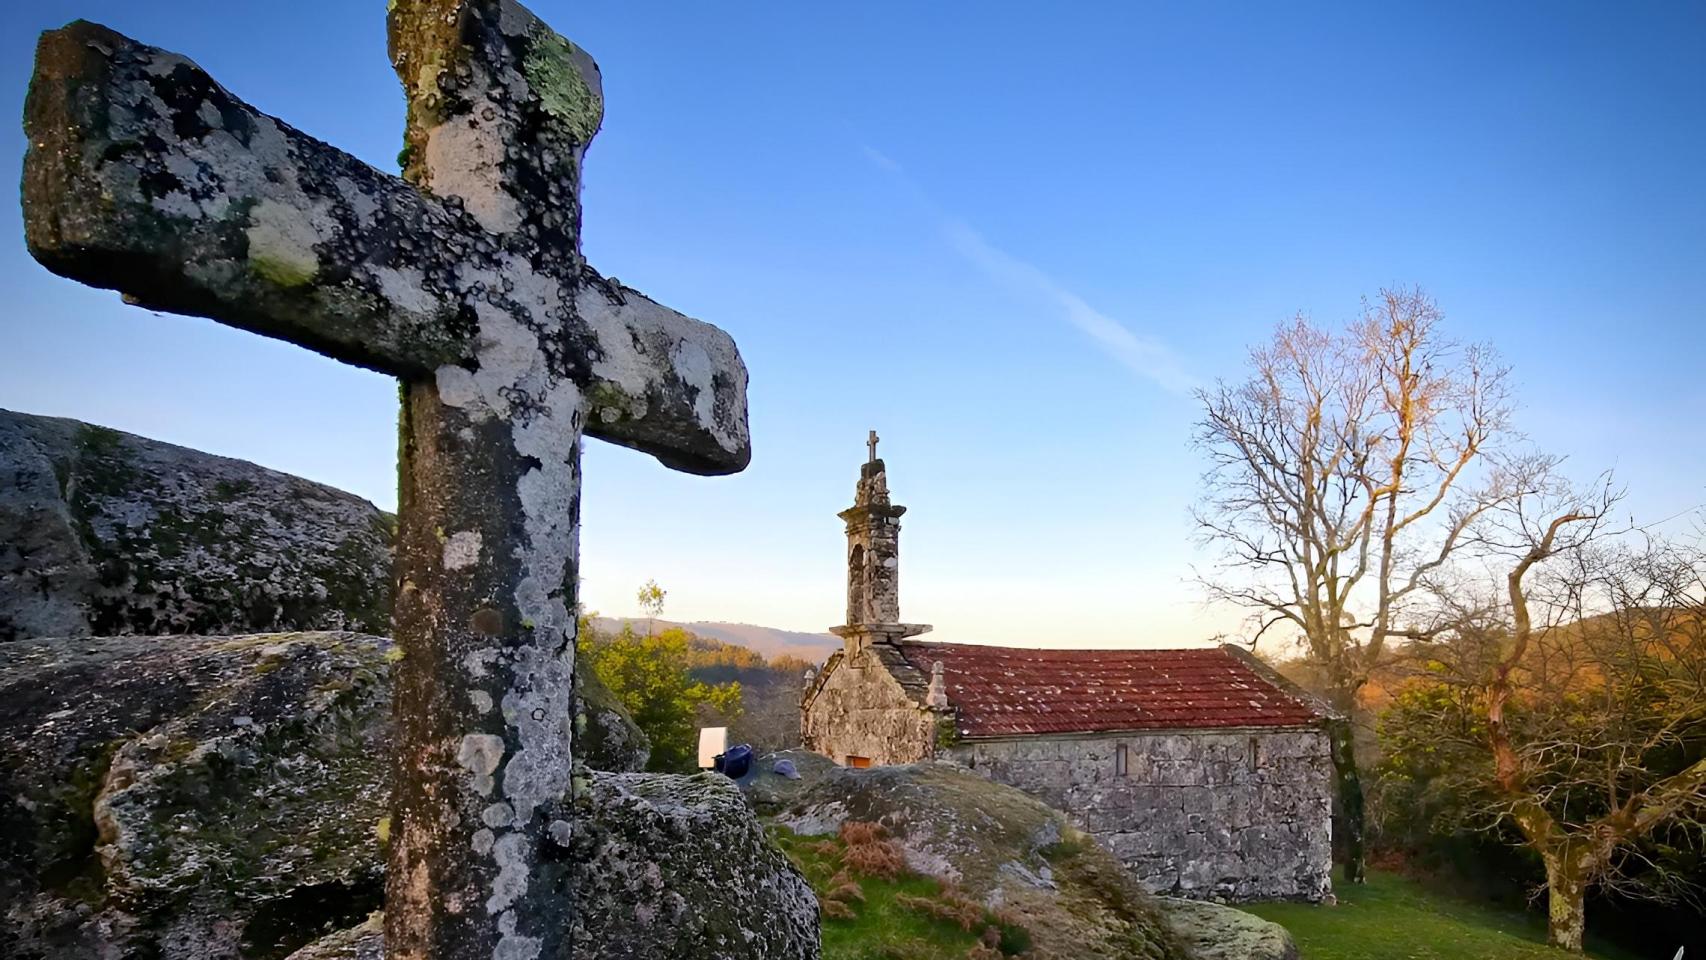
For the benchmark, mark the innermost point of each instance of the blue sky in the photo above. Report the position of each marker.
(1010, 241)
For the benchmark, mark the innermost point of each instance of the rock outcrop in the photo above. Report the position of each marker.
(195, 796)
(606, 736)
(996, 845)
(202, 798)
(363, 942)
(680, 867)
(1012, 852)
(106, 533)
(670, 874)
(1217, 932)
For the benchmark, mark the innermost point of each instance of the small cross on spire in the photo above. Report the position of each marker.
(872, 443)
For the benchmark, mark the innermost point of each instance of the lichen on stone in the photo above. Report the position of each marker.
(281, 245)
(119, 534)
(557, 73)
(244, 812)
(216, 799)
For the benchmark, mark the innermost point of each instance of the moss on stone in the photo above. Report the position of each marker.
(419, 32)
(715, 884)
(947, 732)
(605, 735)
(277, 803)
(609, 403)
(101, 467)
(553, 71)
(352, 591)
(254, 808)
(174, 541)
(282, 271)
(1096, 883)
(95, 441)
(69, 864)
(227, 490)
(251, 641)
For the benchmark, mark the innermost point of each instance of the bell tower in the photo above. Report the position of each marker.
(873, 562)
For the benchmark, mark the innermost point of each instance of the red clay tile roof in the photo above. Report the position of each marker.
(1013, 691)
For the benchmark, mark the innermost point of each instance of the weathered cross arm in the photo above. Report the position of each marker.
(145, 176)
(663, 383)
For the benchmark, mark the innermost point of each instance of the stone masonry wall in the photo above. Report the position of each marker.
(1231, 815)
(873, 569)
(860, 710)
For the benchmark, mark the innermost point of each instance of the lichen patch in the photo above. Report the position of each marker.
(498, 815)
(693, 363)
(511, 364)
(567, 83)
(465, 157)
(511, 945)
(480, 754)
(281, 244)
(462, 550)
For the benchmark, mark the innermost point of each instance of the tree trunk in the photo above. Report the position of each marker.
(1566, 896)
(1348, 783)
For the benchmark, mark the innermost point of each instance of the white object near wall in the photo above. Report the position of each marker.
(712, 741)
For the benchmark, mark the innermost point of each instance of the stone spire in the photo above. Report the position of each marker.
(936, 698)
(873, 561)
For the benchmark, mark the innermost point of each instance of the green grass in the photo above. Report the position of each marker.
(882, 928)
(1393, 917)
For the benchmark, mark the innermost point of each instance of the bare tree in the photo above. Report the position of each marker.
(1591, 675)
(1347, 468)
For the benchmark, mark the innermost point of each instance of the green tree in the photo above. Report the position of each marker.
(1430, 798)
(651, 597)
(650, 675)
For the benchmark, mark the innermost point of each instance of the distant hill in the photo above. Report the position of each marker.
(768, 641)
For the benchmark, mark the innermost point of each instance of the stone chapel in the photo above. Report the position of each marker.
(1207, 773)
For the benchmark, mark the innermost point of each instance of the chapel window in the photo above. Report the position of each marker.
(1122, 767)
(859, 763)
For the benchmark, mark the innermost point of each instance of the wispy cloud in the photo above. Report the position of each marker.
(1145, 356)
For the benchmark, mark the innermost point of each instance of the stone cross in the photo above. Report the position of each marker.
(465, 280)
(871, 443)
